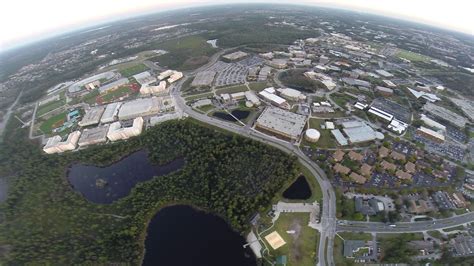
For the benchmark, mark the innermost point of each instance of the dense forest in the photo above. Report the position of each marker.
(46, 222)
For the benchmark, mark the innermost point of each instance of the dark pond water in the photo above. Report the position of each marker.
(299, 190)
(107, 184)
(237, 113)
(180, 235)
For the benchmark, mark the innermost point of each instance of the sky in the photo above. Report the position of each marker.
(24, 21)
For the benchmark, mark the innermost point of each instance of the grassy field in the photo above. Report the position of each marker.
(232, 89)
(435, 234)
(115, 94)
(49, 107)
(300, 248)
(185, 53)
(130, 71)
(326, 140)
(206, 108)
(460, 227)
(258, 86)
(53, 122)
(355, 236)
(413, 56)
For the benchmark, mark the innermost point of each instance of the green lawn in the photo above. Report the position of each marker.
(232, 89)
(48, 125)
(301, 247)
(258, 86)
(130, 71)
(115, 94)
(435, 234)
(206, 108)
(460, 227)
(49, 107)
(412, 56)
(326, 140)
(356, 236)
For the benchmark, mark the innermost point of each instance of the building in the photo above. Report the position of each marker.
(118, 132)
(397, 156)
(154, 120)
(291, 94)
(419, 206)
(278, 63)
(380, 113)
(384, 73)
(144, 78)
(338, 155)
(410, 167)
(432, 123)
(113, 85)
(397, 126)
(384, 91)
(111, 112)
(366, 170)
(403, 175)
(203, 79)
(201, 103)
(383, 152)
(94, 135)
(281, 122)
(92, 116)
(339, 137)
(427, 96)
(329, 125)
(237, 96)
(155, 89)
(312, 135)
(251, 97)
(352, 246)
(253, 73)
(431, 134)
(264, 72)
(356, 82)
(76, 88)
(355, 156)
(341, 169)
(56, 145)
(139, 107)
(359, 179)
(445, 114)
(274, 99)
(467, 106)
(388, 166)
(165, 74)
(362, 133)
(175, 77)
(235, 56)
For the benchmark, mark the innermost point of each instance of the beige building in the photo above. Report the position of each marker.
(117, 132)
(56, 145)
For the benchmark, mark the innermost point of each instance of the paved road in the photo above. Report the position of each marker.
(377, 227)
(328, 218)
(6, 117)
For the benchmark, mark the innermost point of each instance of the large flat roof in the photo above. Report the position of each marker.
(282, 121)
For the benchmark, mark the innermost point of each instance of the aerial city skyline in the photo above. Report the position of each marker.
(53, 17)
(238, 134)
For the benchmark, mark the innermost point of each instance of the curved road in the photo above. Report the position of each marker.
(328, 218)
(329, 225)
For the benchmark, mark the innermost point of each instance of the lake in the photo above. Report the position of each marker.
(181, 235)
(239, 114)
(299, 190)
(110, 183)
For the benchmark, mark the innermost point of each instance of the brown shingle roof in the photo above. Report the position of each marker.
(388, 166)
(338, 155)
(383, 152)
(403, 175)
(357, 178)
(397, 156)
(366, 169)
(355, 156)
(339, 168)
(410, 167)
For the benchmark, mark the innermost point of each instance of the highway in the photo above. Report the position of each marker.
(377, 227)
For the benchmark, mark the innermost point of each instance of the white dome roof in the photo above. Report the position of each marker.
(312, 134)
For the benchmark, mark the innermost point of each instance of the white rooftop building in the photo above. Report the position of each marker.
(92, 116)
(117, 132)
(111, 112)
(425, 95)
(274, 99)
(150, 89)
(430, 122)
(56, 145)
(175, 77)
(251, 97)
(139, 107)
(94, 135)
(165, 74)
(384, 73)
(144, 78)
(291, 94)
(397, 126)
(281, 122)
